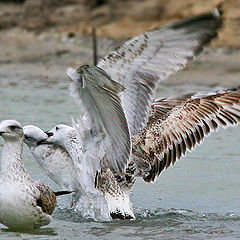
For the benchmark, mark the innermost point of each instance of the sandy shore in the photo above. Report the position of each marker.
(25, 55)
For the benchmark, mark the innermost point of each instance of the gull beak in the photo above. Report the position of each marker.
(2, 131)
(50, 134)
(45, 141)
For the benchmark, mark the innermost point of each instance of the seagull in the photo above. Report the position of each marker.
(99, 142)
(120, 120)
(53, 159)
(24, 203)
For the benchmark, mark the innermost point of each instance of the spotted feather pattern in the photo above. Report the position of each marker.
(180, 128)
(151, 57)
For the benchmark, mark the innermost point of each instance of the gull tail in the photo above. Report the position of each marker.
(119, 204)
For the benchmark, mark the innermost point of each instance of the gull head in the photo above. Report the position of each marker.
(11, 130)
(34, 136)
(58, 134)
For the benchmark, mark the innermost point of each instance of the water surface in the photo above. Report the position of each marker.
(198, 198)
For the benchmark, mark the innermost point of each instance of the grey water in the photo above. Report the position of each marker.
(197, 198)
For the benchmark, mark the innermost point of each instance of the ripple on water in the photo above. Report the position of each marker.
(158, 224)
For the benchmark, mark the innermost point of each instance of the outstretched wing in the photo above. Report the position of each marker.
(162, 142)
(161, 107)
(151, 57)
(106, 135)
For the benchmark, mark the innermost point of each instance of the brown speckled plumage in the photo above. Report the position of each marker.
(144, 61)
(18, 192)
(47, 200)
(181, 125)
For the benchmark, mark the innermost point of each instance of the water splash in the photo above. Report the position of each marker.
(93, 206)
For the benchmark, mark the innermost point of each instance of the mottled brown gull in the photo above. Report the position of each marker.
(24, 203)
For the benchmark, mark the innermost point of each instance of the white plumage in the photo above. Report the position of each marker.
(53, 159)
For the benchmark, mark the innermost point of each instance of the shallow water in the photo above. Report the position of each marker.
(198, 198)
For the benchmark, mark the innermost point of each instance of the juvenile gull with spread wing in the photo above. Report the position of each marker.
(176, 125)
(99, 143)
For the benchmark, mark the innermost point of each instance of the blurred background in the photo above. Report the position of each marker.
(42, 38)
(118, 19)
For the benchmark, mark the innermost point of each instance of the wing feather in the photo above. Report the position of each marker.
(183, 126)
(107, 136)
(151, 57)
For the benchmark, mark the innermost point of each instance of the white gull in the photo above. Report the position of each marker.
(54, 160)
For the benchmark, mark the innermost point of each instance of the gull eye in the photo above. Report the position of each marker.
(12, 127)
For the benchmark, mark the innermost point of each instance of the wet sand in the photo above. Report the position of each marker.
(48, 55)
